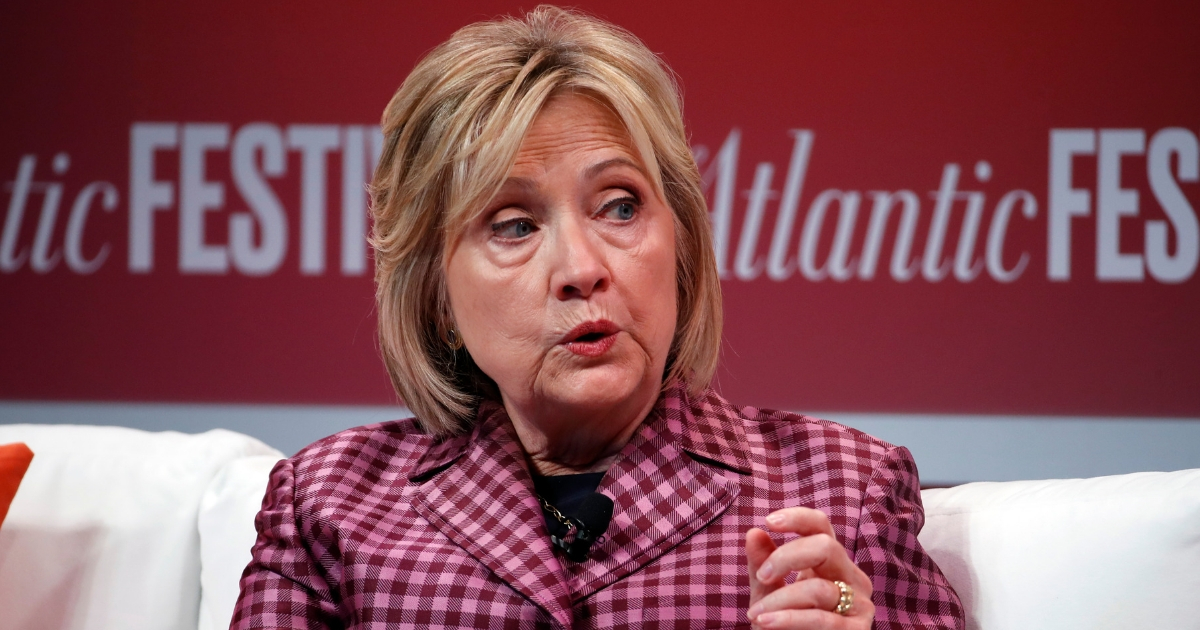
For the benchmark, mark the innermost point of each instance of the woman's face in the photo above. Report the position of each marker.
(564, 289)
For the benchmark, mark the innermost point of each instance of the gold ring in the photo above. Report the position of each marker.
(845, 598)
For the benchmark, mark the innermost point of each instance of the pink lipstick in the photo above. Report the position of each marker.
(591, 339)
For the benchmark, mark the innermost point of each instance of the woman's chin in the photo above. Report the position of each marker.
(598, 386)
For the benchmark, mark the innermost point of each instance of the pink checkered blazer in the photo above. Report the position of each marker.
(383, 527)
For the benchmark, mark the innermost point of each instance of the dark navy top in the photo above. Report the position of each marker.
(565, 492)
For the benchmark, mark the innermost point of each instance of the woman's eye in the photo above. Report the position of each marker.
(621, 209)
(514, 228)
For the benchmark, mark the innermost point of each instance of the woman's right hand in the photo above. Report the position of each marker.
(818, 559)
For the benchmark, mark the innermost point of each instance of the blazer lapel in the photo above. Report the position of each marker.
(662, 495)
(477, 491)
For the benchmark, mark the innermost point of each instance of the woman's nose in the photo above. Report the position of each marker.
(580, 268)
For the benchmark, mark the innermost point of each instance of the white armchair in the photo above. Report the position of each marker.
(124, 530)
(1108, 552)
(105, 530)
(226, 522)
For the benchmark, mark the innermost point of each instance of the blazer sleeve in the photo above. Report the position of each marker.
(286, 585)
(909, 590)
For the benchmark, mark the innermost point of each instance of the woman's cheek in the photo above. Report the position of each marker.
(663, 277)
(517, 330)
(653, 307)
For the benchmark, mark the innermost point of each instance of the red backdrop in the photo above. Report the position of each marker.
(1061, 136)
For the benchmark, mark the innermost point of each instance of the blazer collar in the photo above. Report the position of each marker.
(663, 495)
(445, 451)
(476, 489)
(712, 428)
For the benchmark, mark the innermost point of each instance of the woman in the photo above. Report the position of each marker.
(550, 311)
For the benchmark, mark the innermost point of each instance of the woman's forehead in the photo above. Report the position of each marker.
(574, 124)
(573, 119)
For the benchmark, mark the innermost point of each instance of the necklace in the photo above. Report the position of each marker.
(566, 521)
(577, 548)
(596, 509)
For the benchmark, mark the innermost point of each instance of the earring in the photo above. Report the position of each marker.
(454, 340)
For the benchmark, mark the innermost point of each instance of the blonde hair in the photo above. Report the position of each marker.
(451, 133)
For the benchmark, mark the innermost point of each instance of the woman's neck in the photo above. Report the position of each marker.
(548, 468)
(565, 441)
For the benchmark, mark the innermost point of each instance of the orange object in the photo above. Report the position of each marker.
(14, 461)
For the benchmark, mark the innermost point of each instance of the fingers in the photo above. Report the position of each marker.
(816, 553)
(759, 547)
(816, 593)
(809, 604)
(800, 520)
(820, 552)
(808, 618)
(817, 550)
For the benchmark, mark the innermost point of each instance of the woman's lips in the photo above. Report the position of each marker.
(591, 339)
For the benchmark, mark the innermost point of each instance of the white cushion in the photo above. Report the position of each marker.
(1109, 552)
(102, 533)
(227, 533)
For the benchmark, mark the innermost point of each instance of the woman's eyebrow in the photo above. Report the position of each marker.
(600, 167)
(518, 185)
